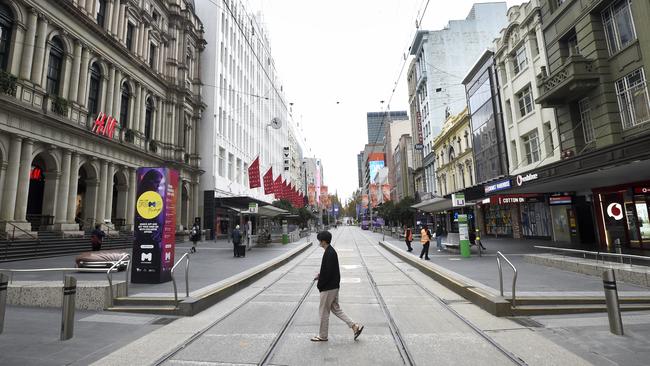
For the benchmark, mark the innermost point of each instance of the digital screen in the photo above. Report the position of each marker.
(374, 166)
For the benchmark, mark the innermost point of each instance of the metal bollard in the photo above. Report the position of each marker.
(67, 310)
(3, 299)
(617, 245)
(613, 308)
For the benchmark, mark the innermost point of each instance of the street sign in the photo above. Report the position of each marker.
(419, 146)
(458, 199)
(252, 207)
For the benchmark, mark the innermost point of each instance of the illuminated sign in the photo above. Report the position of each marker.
(497, 186)
(559, 200)
(615, 211)
(419, 123)
(36, 173)
(458, 199)
(642, 190)
(521, 179)
(374, 166)
(104, 125)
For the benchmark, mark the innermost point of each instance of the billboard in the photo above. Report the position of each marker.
(374, 166)
(373, 195)
(385, 192)
(311, 193)
(155, 225)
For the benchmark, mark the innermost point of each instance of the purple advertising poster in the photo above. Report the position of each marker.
(155, 225)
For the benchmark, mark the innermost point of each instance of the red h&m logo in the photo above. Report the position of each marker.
(105, 125)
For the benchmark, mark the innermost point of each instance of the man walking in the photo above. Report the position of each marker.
(424, 239)
(408, 238)
(439, 234)
(329, 279)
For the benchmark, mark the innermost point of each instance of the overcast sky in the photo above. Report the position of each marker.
(346, 51)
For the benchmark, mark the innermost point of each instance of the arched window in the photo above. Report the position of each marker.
(124, 105)
(452, 155)
(93, 92)
(148, 117)
(468, 164)
(54, 66)
(101, 12)
(461, 176)
(6, 26)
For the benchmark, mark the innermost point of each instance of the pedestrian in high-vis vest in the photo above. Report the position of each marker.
(408, 238)
(425, 238)
(329, 279)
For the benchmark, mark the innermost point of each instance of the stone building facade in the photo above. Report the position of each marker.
(454, 158)
(92, 90)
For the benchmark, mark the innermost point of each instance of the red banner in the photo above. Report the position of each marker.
(268, 182)
(277, 187)
(373, 195)
(311, 193)
(323, 196)
(254, 174)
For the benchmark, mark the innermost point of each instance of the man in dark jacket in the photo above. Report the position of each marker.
(236, 239)
(329, 279)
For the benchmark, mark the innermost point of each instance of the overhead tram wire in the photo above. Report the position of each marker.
(401, 71)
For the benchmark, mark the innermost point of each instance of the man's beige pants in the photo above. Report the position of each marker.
(329, 301)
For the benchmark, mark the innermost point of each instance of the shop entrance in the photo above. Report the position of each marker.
(87, 187)
(625, 216)
(42, 192)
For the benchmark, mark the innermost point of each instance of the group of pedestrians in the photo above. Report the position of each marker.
(425, 239)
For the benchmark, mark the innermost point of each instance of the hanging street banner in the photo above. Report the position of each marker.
(385, 192)
(311, 193)
(254, 174)
(277, 187)
(373, 195)
(364, 200)
(323, 196)
(268, 182)
(155, 225)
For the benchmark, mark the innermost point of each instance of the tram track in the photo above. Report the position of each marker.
(512, 357)
(268, 354)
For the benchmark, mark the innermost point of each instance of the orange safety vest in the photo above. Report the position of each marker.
(425, 238)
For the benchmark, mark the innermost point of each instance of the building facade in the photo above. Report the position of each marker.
(377, 122)
(403, 161)
(454, 158)
(442, 58)
(531, 131)
(394, 132)
(92, 91)
(416, 131)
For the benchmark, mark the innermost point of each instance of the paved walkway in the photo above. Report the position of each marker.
(409, 318)
(532, 279)
(213, 262)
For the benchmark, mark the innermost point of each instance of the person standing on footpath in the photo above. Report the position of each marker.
(195, 234)
(329, 279)
(97, 238)
(408, 238)
(425, 238)
(439, 234)
(236, 240)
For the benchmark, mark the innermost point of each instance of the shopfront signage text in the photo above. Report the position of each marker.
(521, 179)
(458, 199)
(642, 190)
(559, 200)
(497, 186)
(104, 125)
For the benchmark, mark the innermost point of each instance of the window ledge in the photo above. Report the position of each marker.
(622, 50)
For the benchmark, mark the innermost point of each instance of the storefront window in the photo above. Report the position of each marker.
(535, 219)
(643, 217)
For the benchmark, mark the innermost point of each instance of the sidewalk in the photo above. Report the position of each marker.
(532, 279)
(213, 262)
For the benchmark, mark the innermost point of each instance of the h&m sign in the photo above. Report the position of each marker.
(104, 125)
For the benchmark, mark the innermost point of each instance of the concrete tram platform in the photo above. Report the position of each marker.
(539, 289)
(212, 268)
(404, 311)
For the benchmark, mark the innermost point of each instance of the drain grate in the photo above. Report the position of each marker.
(162, 321)
(526, 322)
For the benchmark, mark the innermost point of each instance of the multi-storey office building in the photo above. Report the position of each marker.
(403, 162)
(247, 114)
(377, 122)
(598, 56)
(416, 131)
(65, 63)
(442, 58)
(531, 131)
(394, 130)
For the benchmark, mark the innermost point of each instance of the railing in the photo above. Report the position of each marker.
(596, 255)
(11, 271)
(185, 256)
(109, 275)
(514, 277)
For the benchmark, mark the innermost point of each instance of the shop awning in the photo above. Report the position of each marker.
(271, 211)
(240, 202)
(434, 204)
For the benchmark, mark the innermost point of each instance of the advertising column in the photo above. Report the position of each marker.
(155, 225)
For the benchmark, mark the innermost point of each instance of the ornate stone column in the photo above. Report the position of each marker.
(72, 189)
(109, 192)
(130, 202)
(76, 64)
(117, 90)
(17, 54)
(108, 107)
(28, 48)
(83, 76)
(23, 180)
(137, 109)
(11, 179)
(61, 213)
(39, 52)
(101, 195)
(108, 15)
(65, 78)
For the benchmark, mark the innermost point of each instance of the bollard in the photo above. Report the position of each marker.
(617, 245)
(67, 310)
(3, 299)
(478, 242)
(613, 308)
